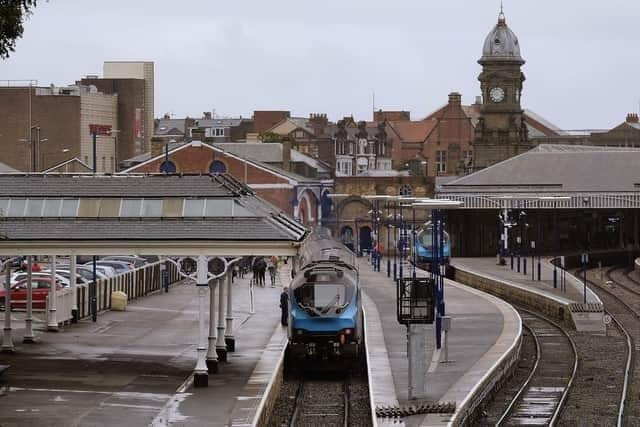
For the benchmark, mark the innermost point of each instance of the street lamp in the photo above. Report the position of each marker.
(35, 146)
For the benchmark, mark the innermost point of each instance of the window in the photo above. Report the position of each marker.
(405, 190)
(441, 162)
(4, 205)
(69, 208)
(218, 132)
(130, 207)
(34, 207)
(345, 167)
(16, 207)
(194, 207)
(217, 167)
(168, 167)
(152, 208)
(299, 134)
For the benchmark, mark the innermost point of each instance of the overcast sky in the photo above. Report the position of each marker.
(329, 56)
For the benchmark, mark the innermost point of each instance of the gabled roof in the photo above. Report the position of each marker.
(288, 125)
(409, 131)
(258, 223)
(7, 169)
(230, 149)
(557, 169)
(537, 125)
(85, 167)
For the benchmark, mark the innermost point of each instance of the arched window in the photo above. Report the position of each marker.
(405, 190)
(217, 167)
(168, 167)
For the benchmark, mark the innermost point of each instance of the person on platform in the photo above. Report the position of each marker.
(272, 268)
(284, 306)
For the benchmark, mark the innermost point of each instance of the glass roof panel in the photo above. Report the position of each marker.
(51, 207)
(16, 207)
(34, 207)
(152, 208)
(193, 207)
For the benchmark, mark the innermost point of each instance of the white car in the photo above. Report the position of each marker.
(22, 275)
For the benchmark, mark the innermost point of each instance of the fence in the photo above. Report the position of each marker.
(136, 283)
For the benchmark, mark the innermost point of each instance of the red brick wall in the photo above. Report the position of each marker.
(199, 159)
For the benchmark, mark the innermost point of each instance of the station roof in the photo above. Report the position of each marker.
(558, 170)
(144, 214)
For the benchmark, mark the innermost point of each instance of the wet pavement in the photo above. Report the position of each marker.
(132, 368)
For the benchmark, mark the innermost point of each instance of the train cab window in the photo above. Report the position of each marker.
(323, 294)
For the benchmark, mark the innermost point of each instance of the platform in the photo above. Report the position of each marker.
(485, 331)
(134, 368)
(541, 293)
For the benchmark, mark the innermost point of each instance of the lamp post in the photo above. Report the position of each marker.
(35, 146)
(375, 218)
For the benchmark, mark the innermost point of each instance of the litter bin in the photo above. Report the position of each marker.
(118, 301)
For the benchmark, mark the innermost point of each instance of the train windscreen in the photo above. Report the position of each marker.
(323, 294)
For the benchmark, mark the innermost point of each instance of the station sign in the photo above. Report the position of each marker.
(100, 129)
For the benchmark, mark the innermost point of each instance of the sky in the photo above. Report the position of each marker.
(331, 56)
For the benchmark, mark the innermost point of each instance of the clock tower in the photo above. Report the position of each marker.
(501, 131)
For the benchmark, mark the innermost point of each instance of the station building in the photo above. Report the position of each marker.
(565, 198)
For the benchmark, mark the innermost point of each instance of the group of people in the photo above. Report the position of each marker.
(260, 268)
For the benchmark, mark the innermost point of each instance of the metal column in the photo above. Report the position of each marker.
(417, 363)
(7, 342)
(201, 373)
(212, 355)
(52, 322)
(221, 347)
(72, 273)
(228, 334)
(28, 321)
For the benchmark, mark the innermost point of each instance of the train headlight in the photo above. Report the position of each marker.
(348, 331)
(299, 332)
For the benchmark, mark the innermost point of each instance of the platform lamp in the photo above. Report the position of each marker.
(437, 207)
(35, 146)
(337, 197)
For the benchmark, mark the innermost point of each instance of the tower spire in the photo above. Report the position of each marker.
(501, 17)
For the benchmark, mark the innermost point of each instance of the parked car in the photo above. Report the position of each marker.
(39, 293)
(19, 276)
(119, 266)
(80, 280)
(86, 272)
(136, 261)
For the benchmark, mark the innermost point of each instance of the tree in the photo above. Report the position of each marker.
(12, 15)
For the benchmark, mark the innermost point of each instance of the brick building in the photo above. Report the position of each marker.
(290, 192)
(45, 126)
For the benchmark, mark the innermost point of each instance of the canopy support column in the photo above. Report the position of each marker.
(200, 373)
(212, 356)
(221, 347)
(28, 321)
(229, 339)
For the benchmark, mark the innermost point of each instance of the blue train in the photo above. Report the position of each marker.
(424, 245)
(325, 312)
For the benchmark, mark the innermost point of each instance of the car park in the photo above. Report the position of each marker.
(119, 266)
(136, 261)
(39, 292)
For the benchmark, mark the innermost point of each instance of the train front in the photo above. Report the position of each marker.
(325, 312)
(424, 246)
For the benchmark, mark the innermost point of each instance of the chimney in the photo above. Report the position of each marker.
(632, 118)
(286, 155)
(455, 98)
(478, 100)
(318, 122)
(206, 115)
(197, 134)
(157, 146)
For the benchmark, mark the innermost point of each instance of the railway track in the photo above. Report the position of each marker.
(621, 297)
(540, 399)
(321, 402)
(329, 400)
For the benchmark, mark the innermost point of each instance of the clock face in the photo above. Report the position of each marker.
(496, 94)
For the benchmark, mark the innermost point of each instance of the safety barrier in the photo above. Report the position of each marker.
(64, 306)
(136, 283)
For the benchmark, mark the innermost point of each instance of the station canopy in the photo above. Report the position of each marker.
(157, 214)
(554, 176)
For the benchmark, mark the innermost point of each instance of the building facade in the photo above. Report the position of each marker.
(45, 126)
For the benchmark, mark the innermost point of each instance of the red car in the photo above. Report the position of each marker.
(39, 292)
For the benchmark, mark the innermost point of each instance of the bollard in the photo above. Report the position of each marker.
(524, 266)
(511, 262)
(539, 270)
(555, 278)
(518, 263)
